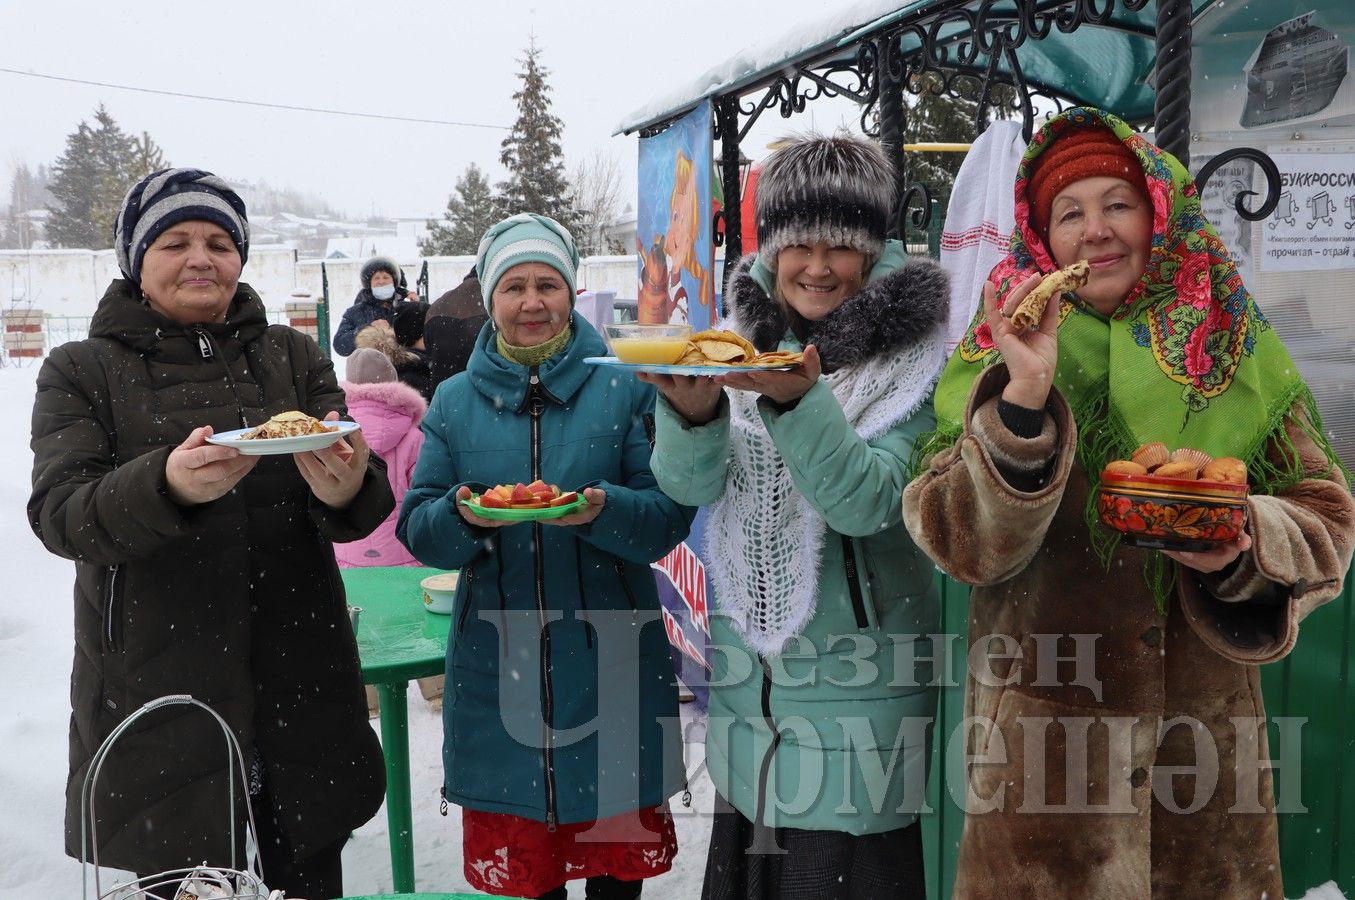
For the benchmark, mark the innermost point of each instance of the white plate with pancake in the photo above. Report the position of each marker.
(676, 369)
(269, 446)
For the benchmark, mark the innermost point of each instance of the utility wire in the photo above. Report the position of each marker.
(312, 109)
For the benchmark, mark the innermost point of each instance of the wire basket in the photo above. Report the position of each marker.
(195, 883)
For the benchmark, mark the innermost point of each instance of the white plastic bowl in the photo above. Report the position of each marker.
(439, 591)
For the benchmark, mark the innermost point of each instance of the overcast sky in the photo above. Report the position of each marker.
(415, 58)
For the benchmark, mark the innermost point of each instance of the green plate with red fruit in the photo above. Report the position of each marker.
(520, 502)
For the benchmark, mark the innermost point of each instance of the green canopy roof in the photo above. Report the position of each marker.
(1108, 65)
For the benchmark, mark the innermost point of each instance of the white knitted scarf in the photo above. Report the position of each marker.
(763, 539)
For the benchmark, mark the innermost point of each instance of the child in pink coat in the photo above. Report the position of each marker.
(389, 413)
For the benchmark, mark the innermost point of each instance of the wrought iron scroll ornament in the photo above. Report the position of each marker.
(966, 50)
(957, 51)
(1268, 167)
(790, 94)
(916, 206)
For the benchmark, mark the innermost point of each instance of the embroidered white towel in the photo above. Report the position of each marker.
(979, 220)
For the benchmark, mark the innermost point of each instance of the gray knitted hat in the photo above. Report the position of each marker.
(835, 189)
(369, 366)
(168, 197)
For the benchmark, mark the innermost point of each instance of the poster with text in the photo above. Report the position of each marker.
(1217, 198)
(674, 247)
(1313, 227)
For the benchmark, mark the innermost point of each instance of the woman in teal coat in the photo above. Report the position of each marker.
(822, 694)
(556, 632)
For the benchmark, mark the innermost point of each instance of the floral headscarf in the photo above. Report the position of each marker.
(1187, 358)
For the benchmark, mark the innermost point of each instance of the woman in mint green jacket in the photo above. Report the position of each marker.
(822, 692)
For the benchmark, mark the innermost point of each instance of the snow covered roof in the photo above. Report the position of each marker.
(1108, 65)
(391, 245)
(810, 39)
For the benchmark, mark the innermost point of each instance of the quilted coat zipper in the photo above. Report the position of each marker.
(854, 583)
(207, 347)
(536, 405)
(112, 608)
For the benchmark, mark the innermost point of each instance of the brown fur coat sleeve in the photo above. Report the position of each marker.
(962, 511)
(1302, 540)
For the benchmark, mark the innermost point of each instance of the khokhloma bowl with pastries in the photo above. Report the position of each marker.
(1182, 500)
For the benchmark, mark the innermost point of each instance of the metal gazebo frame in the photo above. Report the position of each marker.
(976, 46)
(961, 45)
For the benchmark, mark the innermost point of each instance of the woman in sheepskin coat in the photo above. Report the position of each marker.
(1135, 765)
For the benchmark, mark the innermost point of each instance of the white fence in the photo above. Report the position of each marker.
(66, 285)
(70, 282)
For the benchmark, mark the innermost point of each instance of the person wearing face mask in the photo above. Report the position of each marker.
(375, 304)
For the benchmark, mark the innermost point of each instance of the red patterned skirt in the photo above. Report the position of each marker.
(511, 856)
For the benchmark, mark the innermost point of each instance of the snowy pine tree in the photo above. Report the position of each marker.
(938, 116)
(470, 212)
(147, 156)
(89, 181)
(27, 193)
(531, 154)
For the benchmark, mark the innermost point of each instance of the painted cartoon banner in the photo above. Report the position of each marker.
(673, 239)
(677, 284)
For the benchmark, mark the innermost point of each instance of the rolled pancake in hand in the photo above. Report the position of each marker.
(1032, 306)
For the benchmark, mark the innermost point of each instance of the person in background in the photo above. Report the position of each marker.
(450, 329)
(561, 735)
(390, 414)
(410, 367)
(374, 304)
(1138, 768)
(819, 737)
(199, 570)
(409, 332)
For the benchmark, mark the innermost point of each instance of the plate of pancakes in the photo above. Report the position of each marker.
(713, 352)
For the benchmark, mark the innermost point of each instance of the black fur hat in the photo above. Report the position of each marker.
(381, 264)
(408, 322)
(815, 188)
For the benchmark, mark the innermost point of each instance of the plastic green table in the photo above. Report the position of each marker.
(397, 640)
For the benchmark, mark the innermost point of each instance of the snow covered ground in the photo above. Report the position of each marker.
(36, 644)
(35, 655)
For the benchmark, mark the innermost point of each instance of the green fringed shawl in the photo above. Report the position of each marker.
(1187, 359)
